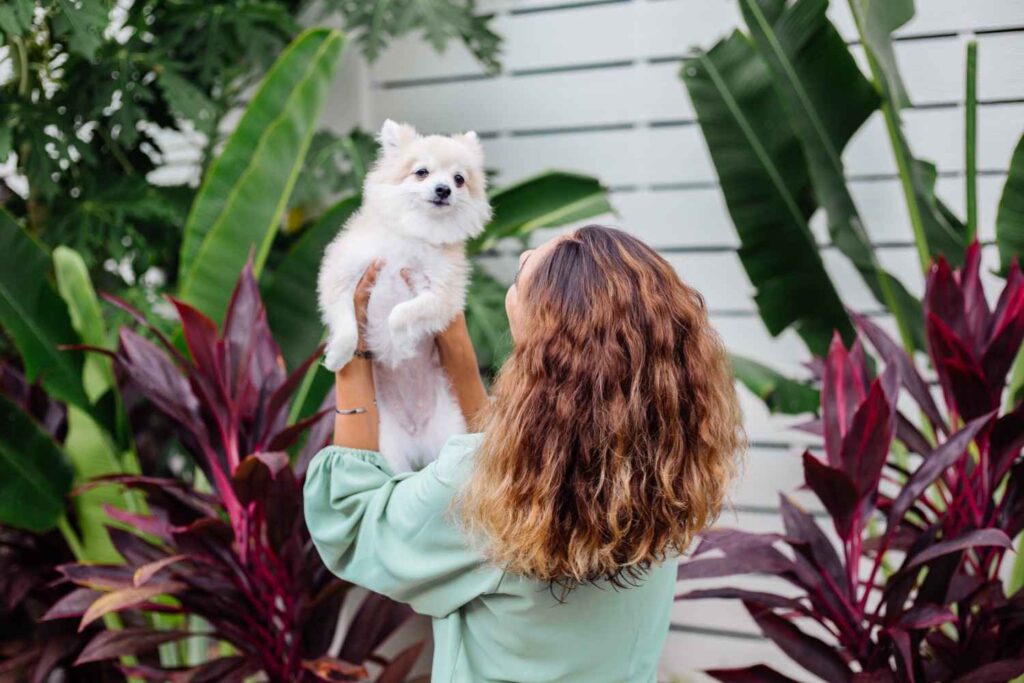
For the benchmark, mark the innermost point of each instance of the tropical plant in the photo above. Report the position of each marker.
(908, 588)
(97, 95)
(239, 557)
(777, 107)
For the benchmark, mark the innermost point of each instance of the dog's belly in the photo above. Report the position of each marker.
(417, 409)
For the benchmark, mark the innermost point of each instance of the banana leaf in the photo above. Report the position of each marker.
(289, 291)
(546, 200)
(1010, 217)
(75, 287)
(780, 393)
(827, 99)
(486, 319)
(937, 231)
(35, 318)
(35, 475)
(764, 178)
(240, 204)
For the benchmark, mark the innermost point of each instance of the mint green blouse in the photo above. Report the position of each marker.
(395, 535)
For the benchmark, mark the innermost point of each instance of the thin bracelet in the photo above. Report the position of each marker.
(353, 411)
(350, 411)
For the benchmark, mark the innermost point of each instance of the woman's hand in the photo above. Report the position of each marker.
(356, 424)
(361, 299)
(460, 364)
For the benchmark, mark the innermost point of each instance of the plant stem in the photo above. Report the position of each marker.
(900, 151)
(970, 146)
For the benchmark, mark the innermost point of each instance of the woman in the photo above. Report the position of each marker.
(544, 546)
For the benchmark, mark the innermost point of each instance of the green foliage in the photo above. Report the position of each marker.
(937, 231)
(779, 393)
(807, 56)
(243, 198)
(34, 473)
(335, 167)
(83, 306)
(441, 21)
(760, 167)
(33, 315)
(1010, 217)
(90, 87)
(289, 290)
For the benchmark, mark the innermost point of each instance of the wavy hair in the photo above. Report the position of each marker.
(614, 430)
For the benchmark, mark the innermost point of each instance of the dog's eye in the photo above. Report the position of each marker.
(422, 173)
(459, 180)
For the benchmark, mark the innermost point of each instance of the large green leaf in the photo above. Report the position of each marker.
(289, 291)
(486, 319)
(75, 287)
(1010, 218)
(937, 231)
(34, 316)
(826, 98)
(34, 474)
(547, 200)
(243, 197)
(780, 393)
(763, 176)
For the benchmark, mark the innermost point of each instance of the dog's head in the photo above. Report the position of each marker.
(433, 186)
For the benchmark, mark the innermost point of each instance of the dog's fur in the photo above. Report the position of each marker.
(404, 220)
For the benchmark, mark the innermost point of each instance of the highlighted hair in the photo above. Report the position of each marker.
(614, 432)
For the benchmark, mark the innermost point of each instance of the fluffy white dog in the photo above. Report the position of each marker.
(424, 197)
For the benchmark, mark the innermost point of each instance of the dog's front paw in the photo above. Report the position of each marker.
(405, 333)
(339, 351)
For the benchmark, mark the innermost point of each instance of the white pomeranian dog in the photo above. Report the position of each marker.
(423, 198)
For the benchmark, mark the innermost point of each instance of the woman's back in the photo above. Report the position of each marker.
(396, 535)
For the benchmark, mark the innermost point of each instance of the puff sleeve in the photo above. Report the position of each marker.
(395, 534)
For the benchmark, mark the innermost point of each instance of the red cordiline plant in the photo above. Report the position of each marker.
(239, 557)
(919, 598)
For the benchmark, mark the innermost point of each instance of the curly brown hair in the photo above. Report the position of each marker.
(615, 430)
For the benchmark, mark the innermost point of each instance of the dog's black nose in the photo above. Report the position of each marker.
(443, 191)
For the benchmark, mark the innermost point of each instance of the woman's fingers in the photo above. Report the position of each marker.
(362, 295)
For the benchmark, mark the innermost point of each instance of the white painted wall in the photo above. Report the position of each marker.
(593, 87)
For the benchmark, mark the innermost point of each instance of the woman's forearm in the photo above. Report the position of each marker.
(353, 388)
(459, 361)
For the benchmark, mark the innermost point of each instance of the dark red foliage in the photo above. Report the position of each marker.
(239, 557)
(946, 513)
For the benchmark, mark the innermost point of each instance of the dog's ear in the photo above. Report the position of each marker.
(472, 141)
(393, 135)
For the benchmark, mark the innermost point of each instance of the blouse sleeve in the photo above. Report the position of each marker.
(394, 534)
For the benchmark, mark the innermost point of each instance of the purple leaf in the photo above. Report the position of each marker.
(73, 604)
(835, 490)
(842, 390)
(962, 379)
(768, 599)
(971, 539)
(1005, 342)
(911, 378)
(759, 673)
(755, 560)
(934, 464)
(801, 528)
(995, 672)
(944, 299)
(925, 616)
(730, 540)
(129, 641)
(975, 307)
(401, 665)
(812, 654)
(911, 436)
(378, 617)
(866, 444)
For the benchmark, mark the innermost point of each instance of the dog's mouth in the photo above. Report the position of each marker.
(440, 202)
